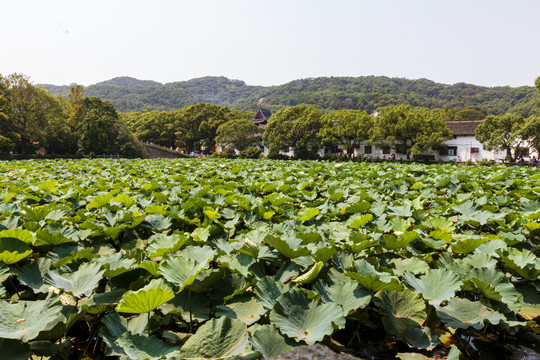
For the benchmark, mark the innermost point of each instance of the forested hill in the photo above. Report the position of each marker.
(329, 93)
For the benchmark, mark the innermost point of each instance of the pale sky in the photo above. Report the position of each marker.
(271, 42)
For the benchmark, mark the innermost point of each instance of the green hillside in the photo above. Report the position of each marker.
(328, 93)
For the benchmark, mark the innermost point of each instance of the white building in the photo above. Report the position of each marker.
(464, 146)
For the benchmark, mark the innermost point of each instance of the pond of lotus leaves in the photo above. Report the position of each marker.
(214, 258)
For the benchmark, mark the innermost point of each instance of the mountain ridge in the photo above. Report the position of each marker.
(328, 93)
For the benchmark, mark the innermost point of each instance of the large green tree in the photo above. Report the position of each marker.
(537, 83)
(239, 134)
(29, 110)
(295, 126)
(199, 123)
(104, 133)
(502, 133)
(411, 131)
(346, 127)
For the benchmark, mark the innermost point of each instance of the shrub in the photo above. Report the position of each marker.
(252, 152)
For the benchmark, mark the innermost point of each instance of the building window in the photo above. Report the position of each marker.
(386, 150)
(443, 150)
(475, 150)
(367, 149)
(452, 150)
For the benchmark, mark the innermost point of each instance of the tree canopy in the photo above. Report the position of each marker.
(295, 126)
(502, 133)
(346, 127)
(31, 118)
(411, 131)
(239, 134)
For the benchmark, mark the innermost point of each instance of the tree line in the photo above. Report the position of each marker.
(410, 131)
(31, 118)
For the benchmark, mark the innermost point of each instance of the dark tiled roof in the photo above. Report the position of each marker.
(463, 128)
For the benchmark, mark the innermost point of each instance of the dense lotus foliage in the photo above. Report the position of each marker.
(148, 259)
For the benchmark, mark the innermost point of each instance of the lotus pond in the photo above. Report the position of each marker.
(148, 259)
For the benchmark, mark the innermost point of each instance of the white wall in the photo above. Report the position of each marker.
(464, 145)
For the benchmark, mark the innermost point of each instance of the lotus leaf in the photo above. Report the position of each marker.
(463, 313)
(79, 283)
(13, 250)
(217, 338)
(182, 271)
(138, 347)
(147, 298)
(267, 340)
(436, 286)
(306, 320)
(26, 319)
(244, 308)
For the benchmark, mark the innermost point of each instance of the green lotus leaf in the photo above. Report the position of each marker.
(19, 234)
(311, 275)
(349, 295)
(157, 221)
(147, 298)
(26, 319)
(493, 284)
(190, 306)
(404, 210)
(480, 260)
(201, 234)
(468, 243)
(412, 264)
(100, 201)
(138, 347)
(306, 320)
(217, 338)
(33, 274)
(227, 287)
(392, 242)
(116, 264)
(182, 271)
(115, 326)
(5, 272)
(78, 283)
(323, 254)
(285, 249)
(240, 263)
(491, 247)
(403, 315)
(151, 266)
(398, 305)
(15, 350)
(375, 283)
(161, 244)
(269, 290)
(244, 308)
(13, 250)
(308, 214)
(201, 254)
(267, 340)
(358, 221)
(436, 286)
(125, 200)
(45, 237)
(441, 223)
(463, 313)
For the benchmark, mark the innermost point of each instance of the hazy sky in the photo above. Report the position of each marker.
(484, 42)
